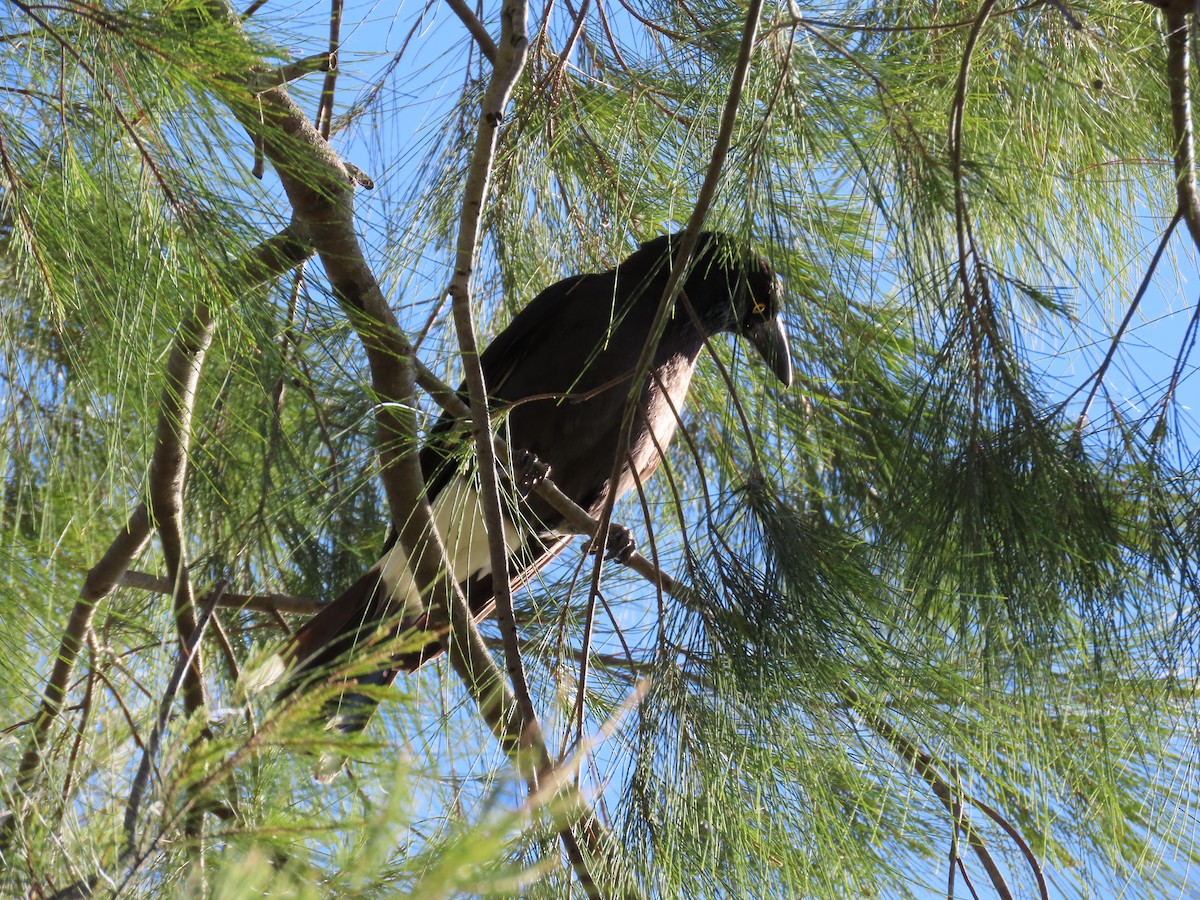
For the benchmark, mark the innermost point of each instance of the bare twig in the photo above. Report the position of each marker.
(1098, 376)
(564, 55)
(289, 72)
(324, 115)
(286, 603)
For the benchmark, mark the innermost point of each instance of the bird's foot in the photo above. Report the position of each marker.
(528, 471)
(620, 545)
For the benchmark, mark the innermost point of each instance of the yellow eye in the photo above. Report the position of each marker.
(758, 308)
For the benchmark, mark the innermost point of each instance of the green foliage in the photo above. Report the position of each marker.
(939, 592)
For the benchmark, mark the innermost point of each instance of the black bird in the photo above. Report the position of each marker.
(562, 371)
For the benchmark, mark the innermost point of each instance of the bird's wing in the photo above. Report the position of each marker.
(524, 566)
(538, 326)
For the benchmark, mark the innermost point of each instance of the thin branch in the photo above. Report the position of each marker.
(556, 70)
(675, 279)
(486, 45)
(962, 222)
(287, 603)
(475, 664)
(957, 113)
(324, 115)
(510, 63)
(85, 714)
(168, 475)
(274, 256)
(1098, 375)
(289, 72)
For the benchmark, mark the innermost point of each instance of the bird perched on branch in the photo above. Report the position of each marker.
(563, 372)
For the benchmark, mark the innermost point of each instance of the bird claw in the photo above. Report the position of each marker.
(528, 471)
(620, 545)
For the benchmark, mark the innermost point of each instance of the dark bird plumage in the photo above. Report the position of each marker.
(562, 370)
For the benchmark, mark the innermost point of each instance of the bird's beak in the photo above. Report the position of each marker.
(770, 339)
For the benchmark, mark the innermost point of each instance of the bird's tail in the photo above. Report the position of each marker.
(375, 630)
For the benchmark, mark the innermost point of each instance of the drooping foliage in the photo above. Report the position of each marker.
(938, 598)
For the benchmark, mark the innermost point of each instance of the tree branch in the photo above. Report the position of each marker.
(1178, 85)
(511, 714)
(274, 256)
(510, 63)
(284, 603)
(168, 474)
(486, 46)
(289, 72)
(319, 188)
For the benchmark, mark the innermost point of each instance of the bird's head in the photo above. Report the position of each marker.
(733, 289)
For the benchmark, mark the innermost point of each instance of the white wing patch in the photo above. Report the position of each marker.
(458, 516)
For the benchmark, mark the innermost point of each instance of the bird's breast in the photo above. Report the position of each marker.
(658, 417)
(577, 436)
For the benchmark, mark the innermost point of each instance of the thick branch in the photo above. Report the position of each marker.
(1179, 86)
(281, 603)
(168, 474)
(486, 46)
(320, 190)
